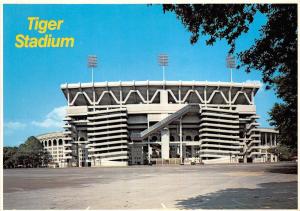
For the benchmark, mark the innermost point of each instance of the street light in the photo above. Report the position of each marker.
(92, 63)
(230, 60)
(163, 60)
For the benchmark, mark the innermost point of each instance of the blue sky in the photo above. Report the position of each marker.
(126, 38)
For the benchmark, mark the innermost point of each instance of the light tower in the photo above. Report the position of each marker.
(92, 63)
(230, 60)
(163, 60)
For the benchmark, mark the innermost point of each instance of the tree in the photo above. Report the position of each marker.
(9, 160)
(283, 152)
(31, 153)
(274, 53)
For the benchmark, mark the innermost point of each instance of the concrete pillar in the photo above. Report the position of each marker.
(179, 95)
(193, 152)
(205, 96)
(245, 158)
(272, 139)
(163, 97)
(180, 139)
(165, 143)
(150, 151)
(229, 98)
(184, 151)
(68, 96)
(149, 147)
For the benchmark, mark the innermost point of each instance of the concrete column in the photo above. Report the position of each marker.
(193, 152)
(68, 96)
(180, 139)
(229, 97)
(149, 147)
(121, 97)
(163, 97)
(165, 143)
(245, 150)
(94, 98)
(184, 151)
(205, 97)
(147, 94)
(179, 95)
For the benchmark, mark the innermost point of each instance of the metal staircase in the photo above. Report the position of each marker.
(166, 121)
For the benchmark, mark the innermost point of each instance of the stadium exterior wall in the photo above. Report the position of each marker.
(127, 123)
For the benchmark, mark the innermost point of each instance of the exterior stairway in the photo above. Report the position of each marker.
(166, 121)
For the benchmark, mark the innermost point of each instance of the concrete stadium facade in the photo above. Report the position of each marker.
(122, 123)
(58, 148)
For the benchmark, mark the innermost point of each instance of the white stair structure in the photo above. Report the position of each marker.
(107, 137)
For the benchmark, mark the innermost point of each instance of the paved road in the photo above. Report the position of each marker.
(243, 186)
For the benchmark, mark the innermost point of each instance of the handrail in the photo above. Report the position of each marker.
(165, 121)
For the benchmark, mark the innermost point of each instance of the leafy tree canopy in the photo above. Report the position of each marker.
(9, 160)
(29, 154)
(32, 145)
(274, 53)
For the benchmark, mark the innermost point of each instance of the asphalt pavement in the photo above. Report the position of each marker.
(230, 186)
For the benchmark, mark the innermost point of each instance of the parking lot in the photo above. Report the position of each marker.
(232, 186)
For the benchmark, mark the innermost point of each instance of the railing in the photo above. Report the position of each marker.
(159, 125)
(170, 161)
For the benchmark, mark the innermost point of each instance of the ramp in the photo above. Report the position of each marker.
(166, 121)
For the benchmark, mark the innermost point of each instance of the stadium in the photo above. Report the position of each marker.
(161, 122)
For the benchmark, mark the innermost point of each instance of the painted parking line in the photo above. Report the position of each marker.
(164, 206)
(87, 208)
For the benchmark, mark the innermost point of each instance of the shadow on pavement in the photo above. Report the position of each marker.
(276, 195)
(291, 169)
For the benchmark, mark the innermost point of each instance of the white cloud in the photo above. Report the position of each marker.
(14, 125)
(54, 119)
(11, 127)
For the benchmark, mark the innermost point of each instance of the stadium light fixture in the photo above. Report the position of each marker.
(163, 60)
(230, 60)
(92, 63)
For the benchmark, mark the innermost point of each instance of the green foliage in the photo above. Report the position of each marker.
(286, 120)
(29, 154)
(9, 160)
(274, 53)
(217, 21)
(283, 152)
